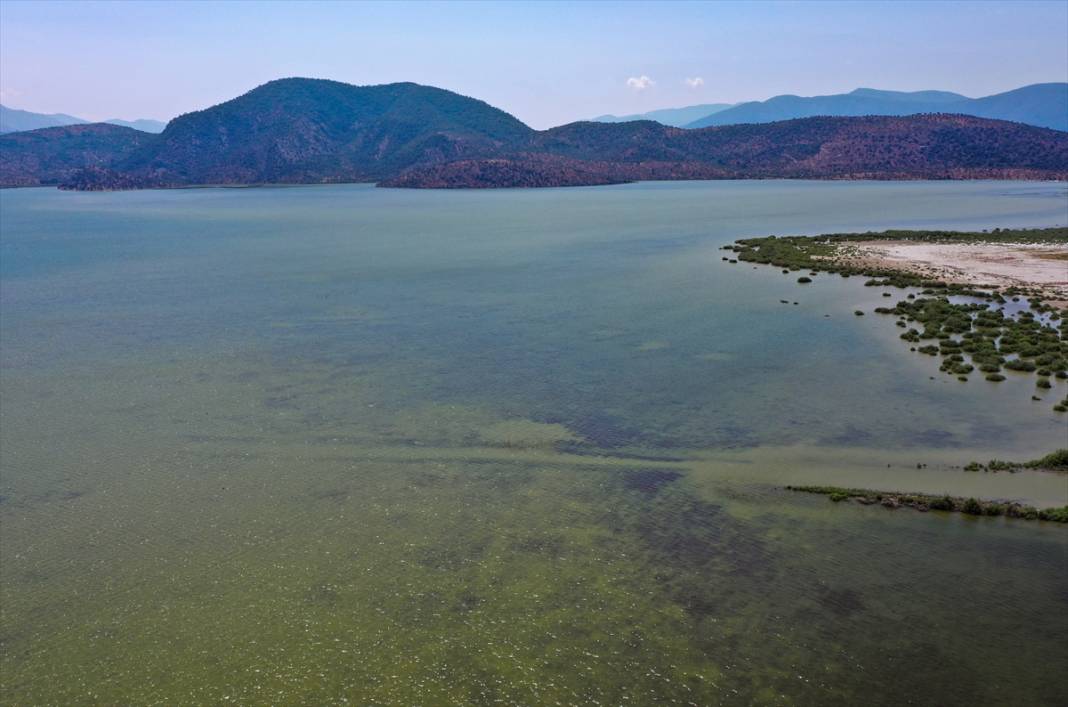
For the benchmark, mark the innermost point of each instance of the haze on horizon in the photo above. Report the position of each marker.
(547, 63)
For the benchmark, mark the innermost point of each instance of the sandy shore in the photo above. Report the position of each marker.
(1025, 265)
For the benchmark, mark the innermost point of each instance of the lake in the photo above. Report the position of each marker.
(340, 444)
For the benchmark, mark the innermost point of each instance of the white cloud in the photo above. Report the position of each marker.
(695, 82)
(640, 83)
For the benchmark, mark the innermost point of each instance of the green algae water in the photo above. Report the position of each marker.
(347, 445)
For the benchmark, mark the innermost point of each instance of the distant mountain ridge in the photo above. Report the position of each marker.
(675, 117)
(1044, 105)
(14, 120)
(309, 131)
(55, 155)
(146, 125)
(939, 146)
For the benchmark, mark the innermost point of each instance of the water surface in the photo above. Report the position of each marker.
(337, 443)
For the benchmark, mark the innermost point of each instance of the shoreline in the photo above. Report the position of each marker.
(381, 184)
(924, 502)
(1041, 267)
(985, 302)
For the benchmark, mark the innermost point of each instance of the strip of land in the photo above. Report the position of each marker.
(1042, 267)
(980, 331)
(928, 502)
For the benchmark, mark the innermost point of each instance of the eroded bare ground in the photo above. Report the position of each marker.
(1002, 264)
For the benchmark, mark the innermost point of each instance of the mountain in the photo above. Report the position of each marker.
(55, 155)
(1044, 105)
(145, 125)
(13, 120)
(676, 117)
(937, 146)
(314, 131)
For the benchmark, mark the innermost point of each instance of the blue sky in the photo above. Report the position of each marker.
(547, 63)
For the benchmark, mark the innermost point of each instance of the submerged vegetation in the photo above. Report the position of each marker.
(968, 326)
(933, 502)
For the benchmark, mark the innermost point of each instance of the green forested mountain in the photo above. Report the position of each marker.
(313, 131)
(55, 155)
(310, 130)
(877, 147)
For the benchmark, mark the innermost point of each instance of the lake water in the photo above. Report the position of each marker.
(340, 444)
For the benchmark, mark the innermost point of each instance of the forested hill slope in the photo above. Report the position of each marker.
(311, 130)
(879, 147)
(307, 131)
(54, 155)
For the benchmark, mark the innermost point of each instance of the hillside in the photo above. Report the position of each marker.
(146, 125)
(310, 130)
(55, 155)
(313, 131)
(14, 120)
(675, 117)
(1043, 105)
(913, 147)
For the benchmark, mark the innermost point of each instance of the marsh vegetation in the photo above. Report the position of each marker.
(934, 502)
(969, 327)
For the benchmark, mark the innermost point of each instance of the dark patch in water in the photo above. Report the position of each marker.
(841, 602)
(104, 633)
(699, 604)
(933, 438)
(424, 479)
(551, 545)
(650, 480)
(727, 436)
(468, 602)
(850, 435)
(687, 541)
(321, 595)
(281, 402)
(329, 494)
(220, 438)
(605, 431)
(580, 449)
(450, 558)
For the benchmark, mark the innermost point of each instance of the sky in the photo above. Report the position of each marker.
(547, 63)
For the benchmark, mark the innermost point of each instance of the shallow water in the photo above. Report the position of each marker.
(339, 443)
